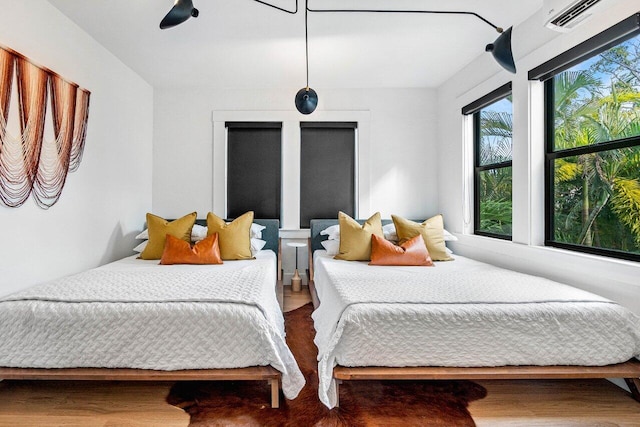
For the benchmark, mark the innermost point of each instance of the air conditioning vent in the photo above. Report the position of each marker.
(574, 12)
(565, 15)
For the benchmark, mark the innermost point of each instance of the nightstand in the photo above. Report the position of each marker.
(296, 280)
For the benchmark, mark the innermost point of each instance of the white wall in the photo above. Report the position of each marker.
(103, 203)
(401, 145)
(397, 160)
(532, 44)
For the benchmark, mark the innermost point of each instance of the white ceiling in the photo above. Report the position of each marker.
(243, 44)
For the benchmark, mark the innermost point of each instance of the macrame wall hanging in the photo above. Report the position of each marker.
(29, 163)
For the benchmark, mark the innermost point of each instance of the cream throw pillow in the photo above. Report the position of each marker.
(234, 238)
(432, 231)
(160, 227)
(355, 239)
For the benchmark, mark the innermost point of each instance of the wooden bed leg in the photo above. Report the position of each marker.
(634, 386)
(338, 382)
(275, 392)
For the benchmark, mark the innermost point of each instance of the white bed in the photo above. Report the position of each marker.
(459, 314)
(140, 315)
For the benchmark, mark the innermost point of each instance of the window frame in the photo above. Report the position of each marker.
(474, 110)
(546, 72)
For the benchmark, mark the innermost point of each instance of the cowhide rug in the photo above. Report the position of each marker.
(362, 403)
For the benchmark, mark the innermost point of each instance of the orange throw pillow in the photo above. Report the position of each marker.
(178, 251)
(412, 252)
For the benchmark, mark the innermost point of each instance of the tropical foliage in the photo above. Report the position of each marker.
(596, 198)
(494, 183)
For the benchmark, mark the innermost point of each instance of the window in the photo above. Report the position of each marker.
(327, 170)
(254, 153)
(492, 136)
(592, 101)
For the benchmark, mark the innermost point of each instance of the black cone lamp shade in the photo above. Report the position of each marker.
(501, 51)
(180, 12)
(306, 100)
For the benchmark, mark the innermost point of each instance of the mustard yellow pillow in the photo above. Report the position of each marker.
(432, 231)
(160, 227)
(355, 239)
(234, 238)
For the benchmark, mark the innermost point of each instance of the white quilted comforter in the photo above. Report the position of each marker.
(461, 313)
(138, 314)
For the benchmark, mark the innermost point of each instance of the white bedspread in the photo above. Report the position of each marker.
(460, 313)
(138, 314)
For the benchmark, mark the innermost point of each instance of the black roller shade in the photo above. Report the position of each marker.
(488, 99)
(254, 160)
(327, 170)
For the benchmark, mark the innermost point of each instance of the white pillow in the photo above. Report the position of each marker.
(389, 232)
(333, 232)
(144, 235)
(256, 246)
(331, 246)
(199, 232)
(448, 237)
(256, 231)
(141, 247)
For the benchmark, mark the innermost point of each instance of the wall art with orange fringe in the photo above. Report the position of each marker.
(29, 163)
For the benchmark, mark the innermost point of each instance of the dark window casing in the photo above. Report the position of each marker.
(597, 44)
(474, 109)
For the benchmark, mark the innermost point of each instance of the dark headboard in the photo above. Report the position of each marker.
(317, 225)
(269, 234)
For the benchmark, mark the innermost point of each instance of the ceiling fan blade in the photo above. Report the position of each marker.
(180, 12)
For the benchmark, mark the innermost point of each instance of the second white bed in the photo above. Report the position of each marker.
(461, 313)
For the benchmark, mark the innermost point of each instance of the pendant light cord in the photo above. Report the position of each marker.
(306, 38)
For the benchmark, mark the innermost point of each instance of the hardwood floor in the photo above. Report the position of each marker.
(87, 404)
(293, 300)
(567, 403)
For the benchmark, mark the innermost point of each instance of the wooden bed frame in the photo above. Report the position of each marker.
(629, 371)
(252, 373)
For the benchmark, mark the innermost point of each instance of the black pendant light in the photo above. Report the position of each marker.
(180, 12)
(306, 98)
(501, 51)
